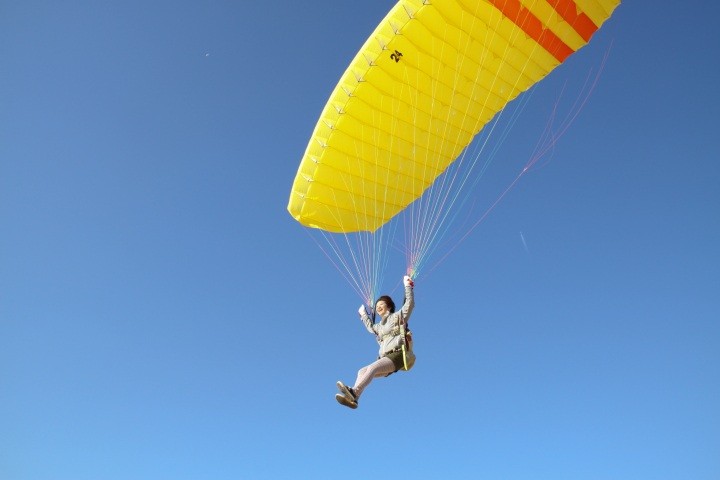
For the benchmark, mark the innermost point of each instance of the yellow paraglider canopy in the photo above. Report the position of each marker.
(428, 79)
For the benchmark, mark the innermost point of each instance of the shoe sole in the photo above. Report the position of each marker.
(343, 400)
(346, 391)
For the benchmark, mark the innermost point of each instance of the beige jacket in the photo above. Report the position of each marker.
(388, 331)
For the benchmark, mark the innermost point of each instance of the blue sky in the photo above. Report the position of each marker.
(162, 316)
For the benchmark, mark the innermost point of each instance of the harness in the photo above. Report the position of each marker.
(406, 339)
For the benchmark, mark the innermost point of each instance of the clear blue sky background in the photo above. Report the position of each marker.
(162, 316)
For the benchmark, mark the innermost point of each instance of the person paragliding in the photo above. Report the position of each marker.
(395, 340)
(392, 145)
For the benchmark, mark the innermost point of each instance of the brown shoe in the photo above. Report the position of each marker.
(343, 400)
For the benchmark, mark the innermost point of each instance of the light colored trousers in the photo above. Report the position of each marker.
(379, 368)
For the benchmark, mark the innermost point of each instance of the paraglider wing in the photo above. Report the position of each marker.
(428, 79)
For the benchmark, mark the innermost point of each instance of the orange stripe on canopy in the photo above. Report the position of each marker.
(530, 24)
(580, 22)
